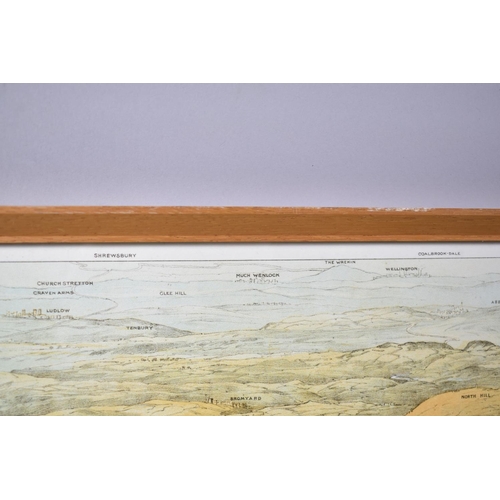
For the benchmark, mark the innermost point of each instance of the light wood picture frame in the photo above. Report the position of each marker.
(243, 224)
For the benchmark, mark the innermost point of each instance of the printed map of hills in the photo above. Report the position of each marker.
(262, 337)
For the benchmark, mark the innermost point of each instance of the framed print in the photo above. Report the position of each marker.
(249, 311)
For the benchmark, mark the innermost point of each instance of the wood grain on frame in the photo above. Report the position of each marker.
(243, 224)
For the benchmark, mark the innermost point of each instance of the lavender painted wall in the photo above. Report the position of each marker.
(268, 145)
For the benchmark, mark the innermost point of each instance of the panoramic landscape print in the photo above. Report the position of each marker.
(115, 333)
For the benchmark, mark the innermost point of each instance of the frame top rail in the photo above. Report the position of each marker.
(121, 224)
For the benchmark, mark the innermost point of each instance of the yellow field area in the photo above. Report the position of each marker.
(392, 379)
